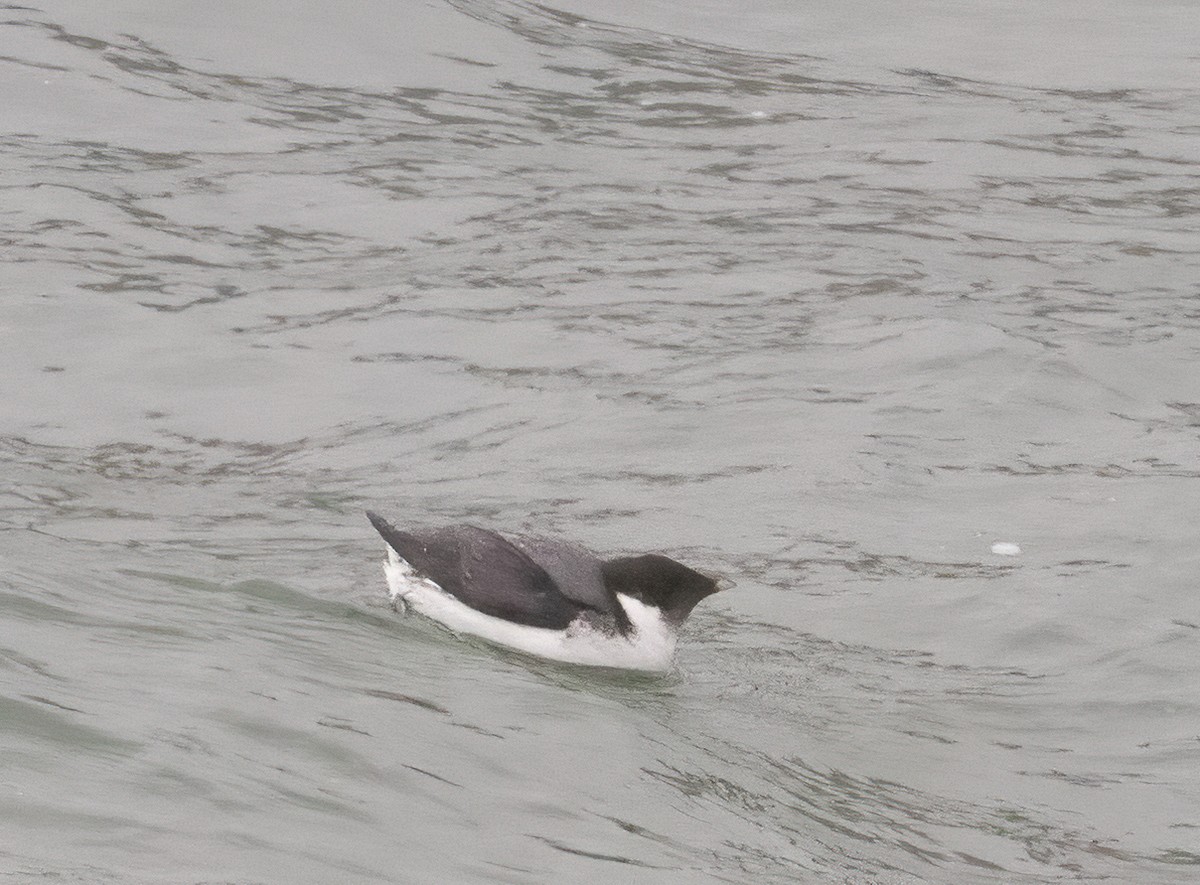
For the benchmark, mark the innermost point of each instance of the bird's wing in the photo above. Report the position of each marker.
(573, 569)
(484, 571)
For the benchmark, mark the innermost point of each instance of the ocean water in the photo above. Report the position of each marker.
(835, 302)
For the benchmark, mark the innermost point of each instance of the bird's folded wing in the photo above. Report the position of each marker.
(483, 570)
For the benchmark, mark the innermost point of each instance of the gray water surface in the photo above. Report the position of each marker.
(828, 301)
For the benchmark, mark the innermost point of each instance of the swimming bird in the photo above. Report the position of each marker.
(543, 596)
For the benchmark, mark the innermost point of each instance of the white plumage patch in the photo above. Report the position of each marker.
(650, 646)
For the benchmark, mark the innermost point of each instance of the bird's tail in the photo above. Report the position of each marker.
(400, 542)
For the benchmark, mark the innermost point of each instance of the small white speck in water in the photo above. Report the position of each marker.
(1005, 548)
